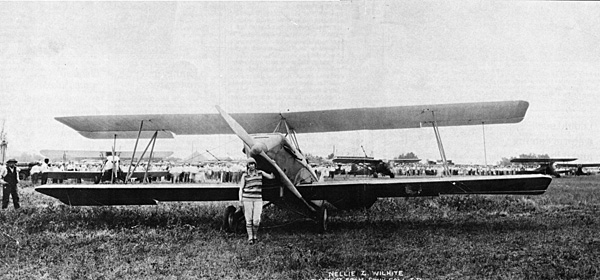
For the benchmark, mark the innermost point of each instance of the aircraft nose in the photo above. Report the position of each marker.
(258, 148)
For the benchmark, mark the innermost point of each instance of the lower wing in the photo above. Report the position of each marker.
(331, 191)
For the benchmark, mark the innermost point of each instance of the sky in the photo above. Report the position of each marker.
(99, 58)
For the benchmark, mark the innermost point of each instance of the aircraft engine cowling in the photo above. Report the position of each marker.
(258, 148)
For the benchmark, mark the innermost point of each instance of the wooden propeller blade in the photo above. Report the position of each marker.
(236, 127)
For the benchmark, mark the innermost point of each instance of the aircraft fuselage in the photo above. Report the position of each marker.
(291, 160)
(296, 168)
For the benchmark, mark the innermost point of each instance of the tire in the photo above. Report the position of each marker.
(240, 221)
(322, 220)
(229, 220)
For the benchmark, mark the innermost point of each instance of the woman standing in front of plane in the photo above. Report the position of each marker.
(251, 198)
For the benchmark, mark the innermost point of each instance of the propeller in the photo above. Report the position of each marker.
(259, 149)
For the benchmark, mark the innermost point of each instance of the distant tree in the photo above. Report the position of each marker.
(408, 155)
(505, 161)
(330, 156)
(314, 159)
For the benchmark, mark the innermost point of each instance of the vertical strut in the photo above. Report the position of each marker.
(143, 153)
(484, 148)
(278, 125)
(134, 149)
(114, 170)
(292, 134)
(149, 159)
(438, 138)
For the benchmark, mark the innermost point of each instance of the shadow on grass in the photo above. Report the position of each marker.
(62, 218)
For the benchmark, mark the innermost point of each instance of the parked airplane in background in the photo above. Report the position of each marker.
(370, 165)
(276, 151)
(579, 169)
(546, 165)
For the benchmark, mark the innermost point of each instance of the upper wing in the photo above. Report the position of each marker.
(355, 160)
(398, 117)
(541, 160)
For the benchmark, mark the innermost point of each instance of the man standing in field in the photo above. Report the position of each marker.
(9, 177)
(251, 198)
(112, 168)
(44, 168)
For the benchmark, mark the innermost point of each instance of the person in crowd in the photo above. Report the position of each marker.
(201, 176)
(175, 172)
(331, 172)
(44, 168)
(112, 168)
(186, 171)
(35, 173)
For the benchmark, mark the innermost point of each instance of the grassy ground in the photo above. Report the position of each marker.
(552, 236)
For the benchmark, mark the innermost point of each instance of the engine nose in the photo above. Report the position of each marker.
(258, 148)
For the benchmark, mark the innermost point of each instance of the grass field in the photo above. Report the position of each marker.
(552, 236)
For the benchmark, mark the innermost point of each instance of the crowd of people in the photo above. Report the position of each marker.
(220, 172)
(413, 169)
(232, 171)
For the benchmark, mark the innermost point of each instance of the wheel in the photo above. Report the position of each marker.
(229, 221)
(239, 221)
(322, 220)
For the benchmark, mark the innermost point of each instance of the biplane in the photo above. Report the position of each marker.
(579, 169)
(370, 165)
(270, 138)
(546, 166)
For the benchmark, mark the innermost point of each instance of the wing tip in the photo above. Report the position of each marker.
(522, 107)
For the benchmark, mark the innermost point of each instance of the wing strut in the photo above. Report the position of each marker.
(150, 157)
(134, 150)
(484, 149)
(114, 170)
(290, 134)
(152, 140)
(438, 138)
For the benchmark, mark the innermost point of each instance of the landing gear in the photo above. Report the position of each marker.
(322, 220)
(232, 219)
